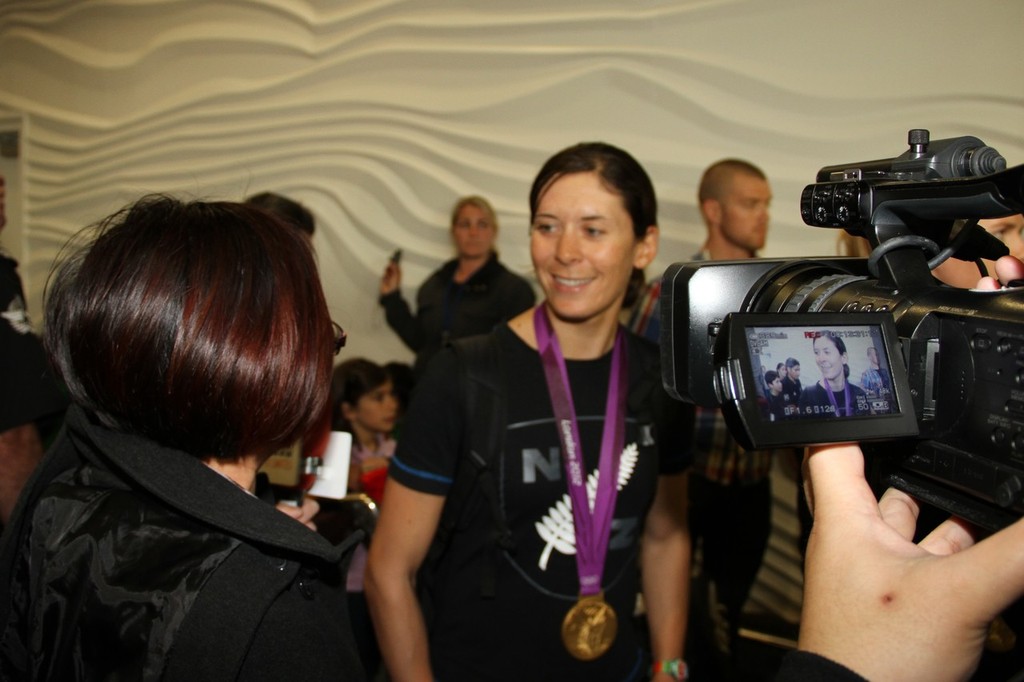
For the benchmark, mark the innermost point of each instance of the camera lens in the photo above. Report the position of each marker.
(802, 286)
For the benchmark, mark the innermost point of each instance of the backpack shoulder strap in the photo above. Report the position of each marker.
(482, 389)
(645, 379)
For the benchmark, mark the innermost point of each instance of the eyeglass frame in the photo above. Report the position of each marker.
(340, 337)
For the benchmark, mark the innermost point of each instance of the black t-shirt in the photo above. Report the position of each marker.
(791, 390)
(803, 666)
(776, 407)
(814, 401)
(29, 392)
(517, 634)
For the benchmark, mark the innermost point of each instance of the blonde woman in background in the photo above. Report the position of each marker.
(468, 295)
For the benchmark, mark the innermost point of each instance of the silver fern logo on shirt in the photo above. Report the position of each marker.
(556, 528)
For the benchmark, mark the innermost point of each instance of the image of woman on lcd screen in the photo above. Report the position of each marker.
(833, 394)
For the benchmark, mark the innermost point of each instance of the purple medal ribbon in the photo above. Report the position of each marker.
(592, 525)
(846, 396)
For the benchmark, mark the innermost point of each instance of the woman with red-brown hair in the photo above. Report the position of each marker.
(194, 340)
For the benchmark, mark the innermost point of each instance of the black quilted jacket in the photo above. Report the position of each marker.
(494, 294)
(128, 560)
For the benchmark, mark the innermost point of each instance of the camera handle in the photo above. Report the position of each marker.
(965, 230)
(901, 263)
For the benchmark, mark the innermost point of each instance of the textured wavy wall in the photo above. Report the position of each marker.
(377, 114)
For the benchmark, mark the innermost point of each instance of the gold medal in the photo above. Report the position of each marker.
(589, 627)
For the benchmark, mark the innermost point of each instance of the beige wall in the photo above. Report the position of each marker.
(378, 114)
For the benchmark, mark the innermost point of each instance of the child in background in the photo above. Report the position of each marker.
(775, 405)
(365, 406)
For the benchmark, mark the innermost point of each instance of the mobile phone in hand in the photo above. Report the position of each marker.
(396, 256)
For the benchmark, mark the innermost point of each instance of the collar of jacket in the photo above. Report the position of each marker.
(481, 278)
(185, 483)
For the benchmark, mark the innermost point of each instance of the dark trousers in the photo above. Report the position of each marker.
(730, 525)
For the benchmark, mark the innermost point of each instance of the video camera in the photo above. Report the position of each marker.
(930, 378)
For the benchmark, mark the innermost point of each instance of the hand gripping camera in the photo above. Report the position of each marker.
(930, 378)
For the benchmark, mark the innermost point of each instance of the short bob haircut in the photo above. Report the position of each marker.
(201, 326)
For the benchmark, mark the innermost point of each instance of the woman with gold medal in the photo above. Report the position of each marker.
(590, 475)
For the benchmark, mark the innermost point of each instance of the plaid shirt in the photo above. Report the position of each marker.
(717, 455)
(719, 458)
(645, 318)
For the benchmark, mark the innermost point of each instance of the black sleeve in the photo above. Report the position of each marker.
(400, 318)
(674, 422)
(428, 450)
(803, 666)
(806, 399)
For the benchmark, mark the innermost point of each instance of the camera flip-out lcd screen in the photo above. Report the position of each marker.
(812, 378)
